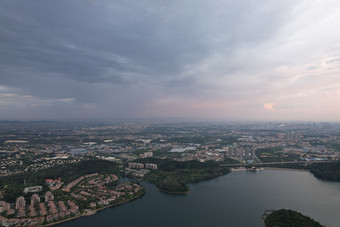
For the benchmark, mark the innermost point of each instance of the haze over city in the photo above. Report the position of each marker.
(101, 60)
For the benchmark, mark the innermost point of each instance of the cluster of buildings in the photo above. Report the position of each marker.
(139, 170)
(146, 155)
(216, 152)
(12, 164)
(54, 184)
(134, 165)
(6, 165)
(203, 155)
(99, 190)
(176, 141)
(240, 153)
(151, 166)
(75, 182)
(45, 163)
(289, 135)
(36, 212)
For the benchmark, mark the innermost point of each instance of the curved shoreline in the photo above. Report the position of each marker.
(173, 193)
(264, 216)
(94, 211)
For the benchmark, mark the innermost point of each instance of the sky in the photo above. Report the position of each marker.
(267, 60)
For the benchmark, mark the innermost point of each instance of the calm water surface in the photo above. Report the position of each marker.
(236, 199)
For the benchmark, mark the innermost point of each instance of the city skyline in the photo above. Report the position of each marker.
(227, 60)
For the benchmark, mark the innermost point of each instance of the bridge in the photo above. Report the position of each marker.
(272, 163)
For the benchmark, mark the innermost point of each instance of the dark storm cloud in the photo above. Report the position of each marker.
(100, 42)
(117, 58)
(92, 43)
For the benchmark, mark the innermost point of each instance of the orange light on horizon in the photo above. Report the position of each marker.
(269, 106)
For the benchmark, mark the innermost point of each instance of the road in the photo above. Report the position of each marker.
(272, 163)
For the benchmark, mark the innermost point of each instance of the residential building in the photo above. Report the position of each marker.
(49, 196)
(20, 203)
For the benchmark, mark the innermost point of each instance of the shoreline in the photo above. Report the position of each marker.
(265, 215)
(94, 211)
(173, 193)
(237, 169)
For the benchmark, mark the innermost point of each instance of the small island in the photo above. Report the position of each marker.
(283, 217)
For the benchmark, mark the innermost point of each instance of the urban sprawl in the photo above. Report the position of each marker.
(33, 147)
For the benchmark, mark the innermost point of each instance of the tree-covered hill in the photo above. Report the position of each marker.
(326, 171)
(173, 176)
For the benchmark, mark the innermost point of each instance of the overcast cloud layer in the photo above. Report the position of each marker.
(224, 59)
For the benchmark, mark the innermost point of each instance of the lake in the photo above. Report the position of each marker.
(235, 199)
